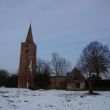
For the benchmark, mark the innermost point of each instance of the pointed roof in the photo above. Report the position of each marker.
(75, 75)
(29, 38)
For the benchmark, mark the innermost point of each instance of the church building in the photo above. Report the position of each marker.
(28, 70)
(27, 65)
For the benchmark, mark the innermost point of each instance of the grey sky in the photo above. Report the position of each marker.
(63, 26)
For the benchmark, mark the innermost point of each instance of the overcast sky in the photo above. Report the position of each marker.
(62, 26)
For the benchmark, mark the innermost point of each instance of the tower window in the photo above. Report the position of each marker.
(27, 44)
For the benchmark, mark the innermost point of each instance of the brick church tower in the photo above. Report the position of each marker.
(27, 66)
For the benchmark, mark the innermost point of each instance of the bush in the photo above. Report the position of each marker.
(12, 81)
(8, 80)
(42, 81)
(100, 84)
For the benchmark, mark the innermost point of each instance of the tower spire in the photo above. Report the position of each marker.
(27, 65)
(29, 38)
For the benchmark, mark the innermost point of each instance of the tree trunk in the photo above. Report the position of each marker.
(90, 90)
(90, 86)
(97, 76)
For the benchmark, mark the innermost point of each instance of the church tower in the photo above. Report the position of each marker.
(27, 66)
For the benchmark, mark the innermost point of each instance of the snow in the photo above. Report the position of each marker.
(24, 99)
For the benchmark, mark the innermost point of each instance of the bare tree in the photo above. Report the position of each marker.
(42, 78)
(95, 59)
(43, 66)
(60, 66)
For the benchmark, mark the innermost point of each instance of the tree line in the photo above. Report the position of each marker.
(57, 66)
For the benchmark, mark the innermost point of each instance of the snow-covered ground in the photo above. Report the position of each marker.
(12, 99)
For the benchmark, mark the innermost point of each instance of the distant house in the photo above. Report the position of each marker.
(75, 80)
(72, 81)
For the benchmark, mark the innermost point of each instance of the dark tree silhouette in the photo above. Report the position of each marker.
(43, 66)
(8, 79)
(95, 59)
(12, 80)
(42, 78)
(60, 66)
(42, 81)
(4, 75)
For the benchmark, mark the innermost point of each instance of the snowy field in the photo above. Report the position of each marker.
(12, 99)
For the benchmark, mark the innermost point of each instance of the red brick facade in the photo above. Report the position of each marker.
(27, 66)
(58, 82)
(72, 81)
